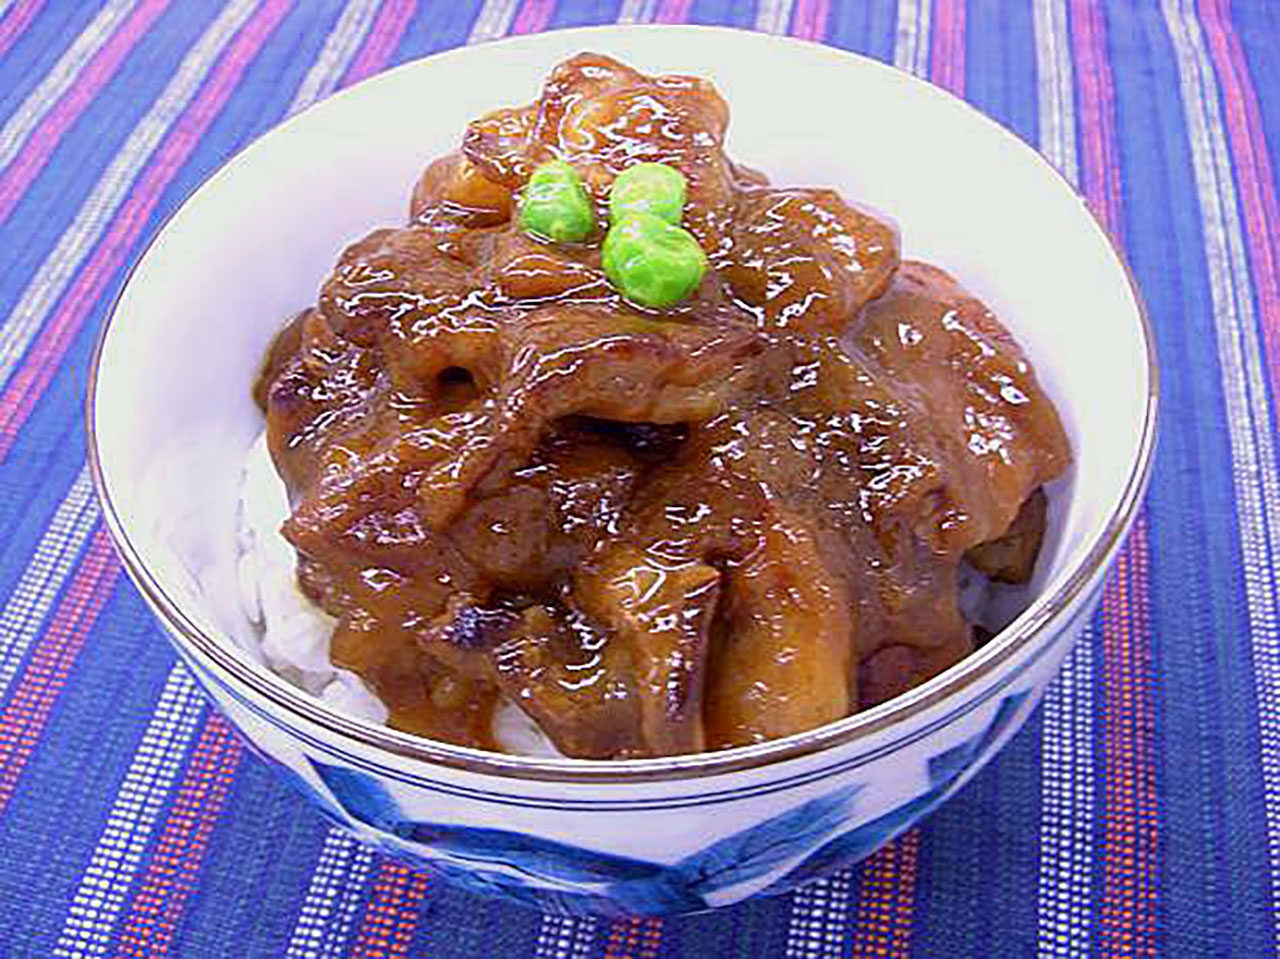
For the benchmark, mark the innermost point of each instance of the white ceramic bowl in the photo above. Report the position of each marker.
(171, 417)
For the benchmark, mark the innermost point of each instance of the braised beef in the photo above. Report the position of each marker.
(656, 532)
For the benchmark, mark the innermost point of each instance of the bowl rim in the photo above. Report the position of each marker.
(1031, 625)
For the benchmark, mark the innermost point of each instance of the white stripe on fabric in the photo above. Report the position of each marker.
(336, 55)
(4, 6)
(911, 39)
(823, 909)
(1064, 893)
(328, 911)
(56, 554)
(1244, 386)
(819, 918)
(59, 79)
(1056, 86)
(493, 21)
(55, 273)
(1065, 899)
(98, 901)
(774, 16)
(638, 11)
(562, 937)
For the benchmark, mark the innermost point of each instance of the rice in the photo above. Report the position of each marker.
(293, 634)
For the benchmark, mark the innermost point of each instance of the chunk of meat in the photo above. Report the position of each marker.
(393, 276)
(805, 259)
(531, 270)
(661, 613)
(453, 190)
(609, 364)
(895, 669)
(365, 517)
(421, 695)
(573, 682)
(1011, 558)
(999, 434)
(321, 389)
(498, 144)
(782, 660)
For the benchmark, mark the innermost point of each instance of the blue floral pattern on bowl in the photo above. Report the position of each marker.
(786, 850)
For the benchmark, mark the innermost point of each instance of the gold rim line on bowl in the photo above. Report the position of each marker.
(227, 655)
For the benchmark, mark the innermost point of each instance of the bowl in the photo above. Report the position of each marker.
(171, 417)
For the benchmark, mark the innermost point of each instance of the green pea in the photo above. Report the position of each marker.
(555, 205)
(648, 188)
(652, 262)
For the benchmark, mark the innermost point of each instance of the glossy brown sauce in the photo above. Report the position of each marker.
(656, 532)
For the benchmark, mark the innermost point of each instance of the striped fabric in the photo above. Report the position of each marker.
(1138, 814)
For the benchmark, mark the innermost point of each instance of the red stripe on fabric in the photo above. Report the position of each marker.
(946, 54)
(388, 29)
(35, 153)
(634, 939)
(157, 907)
(1130, 816)
(1254, 176)
(533, 16)
(391, 916)
(886, 900)
(44, 358)
(809, 21)
(19, 18)
(1130, 828)
(673, 11)
(25, 715)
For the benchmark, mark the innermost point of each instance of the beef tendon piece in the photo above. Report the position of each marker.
(895, 669)
(422, 696)
(999, 435)
(806, 260)
(363, 545)
(661, 614)
(1012, 557)
(455, 190)
(530, 270)
(615, 365)
(781, 661)
(318, 390)
(573, 682)
(393, 276)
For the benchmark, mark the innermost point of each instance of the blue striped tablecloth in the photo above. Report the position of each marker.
(1138, 813)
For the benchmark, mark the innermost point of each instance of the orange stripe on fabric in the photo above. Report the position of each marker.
(1130, 839)
(184, 840)
(1130, 884)
(391, 917)
(26, 713)
(634, 939)
(886, 900)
